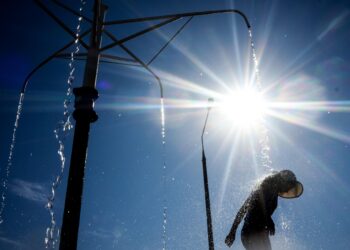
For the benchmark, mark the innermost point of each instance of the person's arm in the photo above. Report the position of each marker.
(271, 226)
(241, 213)
(270, 209)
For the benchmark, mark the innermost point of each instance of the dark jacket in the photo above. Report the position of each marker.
(259, 207)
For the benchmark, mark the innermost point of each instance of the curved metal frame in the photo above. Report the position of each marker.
(171, 18)
(99, 27)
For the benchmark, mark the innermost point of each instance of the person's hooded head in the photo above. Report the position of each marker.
(288, 185)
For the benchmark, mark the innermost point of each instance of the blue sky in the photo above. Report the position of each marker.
(303, 52)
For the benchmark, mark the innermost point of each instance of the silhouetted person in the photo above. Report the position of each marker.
(259, 207)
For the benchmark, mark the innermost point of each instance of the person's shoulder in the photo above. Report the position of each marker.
(270, 179)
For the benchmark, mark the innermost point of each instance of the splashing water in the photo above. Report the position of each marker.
(285, 223)
(287, 228)
(264, 141)
(255, 60)
(165, 208)
(162, 117)
(10, 157)
(61, 132)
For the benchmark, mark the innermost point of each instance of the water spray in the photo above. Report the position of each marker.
(61, 131)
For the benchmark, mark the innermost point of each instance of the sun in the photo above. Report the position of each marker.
(245, 107)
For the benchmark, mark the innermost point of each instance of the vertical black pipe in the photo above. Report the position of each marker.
(84, 114)
(71, 217)
(207, 203)
(206, 186)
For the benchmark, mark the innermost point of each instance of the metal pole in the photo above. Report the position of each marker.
(84, 114)
(206, 186)
(207, 203)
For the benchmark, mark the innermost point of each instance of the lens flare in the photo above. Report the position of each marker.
(244, 107)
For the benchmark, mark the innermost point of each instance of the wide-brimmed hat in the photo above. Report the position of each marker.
(297, 189)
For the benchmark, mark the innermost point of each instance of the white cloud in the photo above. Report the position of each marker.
(113, 235)
(29, 190)
(101, 233)
(11, 242)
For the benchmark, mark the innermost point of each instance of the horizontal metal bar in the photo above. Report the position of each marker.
(112, 57)
(116, 58)
(103, 61)
(128, 38)
(179, 15)
(121, 63)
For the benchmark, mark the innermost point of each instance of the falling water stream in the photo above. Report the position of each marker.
(61, 132)
(264, 142)
(164, 176)
(10, 157)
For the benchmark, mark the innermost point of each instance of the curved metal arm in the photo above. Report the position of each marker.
(179, 15)
(170, 18)
(26, 81)
(146, 67)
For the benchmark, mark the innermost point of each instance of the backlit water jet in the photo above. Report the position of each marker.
(10, 158)
(61, 132)
(264, 142)
(164, 176)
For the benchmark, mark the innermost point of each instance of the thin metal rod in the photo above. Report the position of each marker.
(206, 191)
(179, 15)
(117, 58)
(141, 63)
(137, 34)
(170, 40)
(104, 61)
(83, 56)
(54, 55)
(121, 63)
(60, 23)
